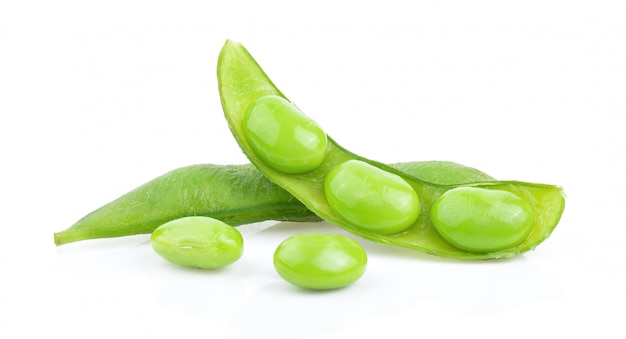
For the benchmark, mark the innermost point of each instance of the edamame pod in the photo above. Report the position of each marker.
(241, 81)
(235, 194)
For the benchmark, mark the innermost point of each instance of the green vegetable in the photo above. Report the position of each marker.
(442, 172)
(199, 242)
(370, 198)
(283, 137)
(235, 194)
(481, 220)
(320, 261)
(241, 81)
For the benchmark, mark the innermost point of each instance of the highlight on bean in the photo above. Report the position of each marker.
(320, 261)
(199, 242)
(370, 198)
(282, 136)
(482, 220)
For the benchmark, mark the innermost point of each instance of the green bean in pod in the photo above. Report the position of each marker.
(243, 85)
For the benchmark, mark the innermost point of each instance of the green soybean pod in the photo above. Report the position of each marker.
(199, 242)
(320, 261)
(442, 172)
(236, 194)
(241, 81)
(480, 220)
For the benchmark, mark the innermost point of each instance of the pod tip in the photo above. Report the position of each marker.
(57, 241)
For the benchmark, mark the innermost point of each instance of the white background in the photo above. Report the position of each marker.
(97, 98)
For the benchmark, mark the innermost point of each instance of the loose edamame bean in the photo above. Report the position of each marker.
(236, 194)
(370, 198)
(283, 136)
(199, 242)
(320, 261)
(482, 220)
(241, 81)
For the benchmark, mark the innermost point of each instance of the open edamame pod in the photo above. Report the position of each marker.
(235, 194)
(243, 85)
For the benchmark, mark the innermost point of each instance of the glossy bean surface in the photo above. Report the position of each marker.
(199, 242)
(482, 220)
(320, 261)
(370, 198)
(283, 136)
(241, 80)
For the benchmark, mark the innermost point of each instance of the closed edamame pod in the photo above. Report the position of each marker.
(235, 194)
